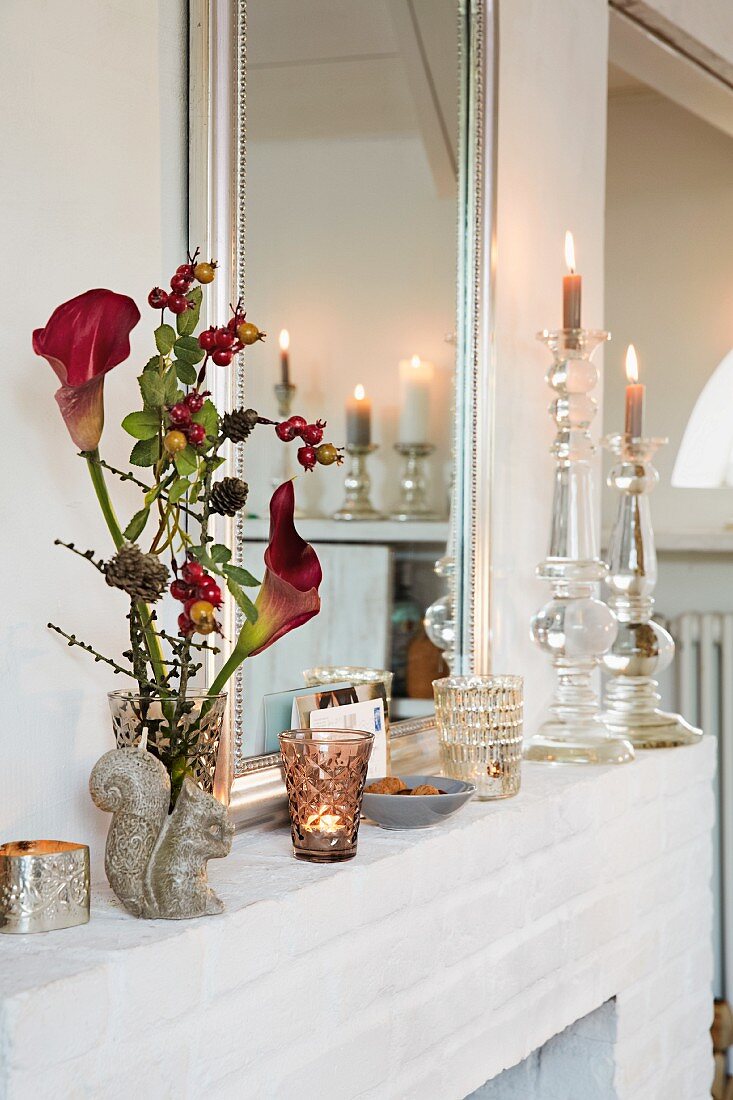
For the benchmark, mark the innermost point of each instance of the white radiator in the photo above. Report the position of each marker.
(704, 686)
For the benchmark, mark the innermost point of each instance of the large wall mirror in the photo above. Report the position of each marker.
(350, 144)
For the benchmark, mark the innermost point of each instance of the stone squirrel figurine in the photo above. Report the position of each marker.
(156, 861)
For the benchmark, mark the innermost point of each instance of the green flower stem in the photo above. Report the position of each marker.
(151, 641)
(239, 654)
(100, 488)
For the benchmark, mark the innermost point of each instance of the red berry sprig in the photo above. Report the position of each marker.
(200, 595)
(183, 428)
(324, 455)
(314, 451)
(175, 300)
(224, 342)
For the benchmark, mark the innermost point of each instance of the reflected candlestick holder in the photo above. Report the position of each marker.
(575, 628)
(413, 503)
(642, 648)
(357, 485)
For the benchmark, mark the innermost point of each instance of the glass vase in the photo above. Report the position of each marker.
(479, 720)
(325, 772)
(183, 733)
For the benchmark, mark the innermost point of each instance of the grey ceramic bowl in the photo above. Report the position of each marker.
(418, 811)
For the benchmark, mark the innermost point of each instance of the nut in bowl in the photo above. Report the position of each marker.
(414, 801)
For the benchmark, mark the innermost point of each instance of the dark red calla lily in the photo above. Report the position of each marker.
(84, 338)
(288, 596)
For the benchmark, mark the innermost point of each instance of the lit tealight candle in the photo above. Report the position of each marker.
(323, 822)
(359, 419)
(416, 377)
(284, 342)
(634, 397)
(572, 287)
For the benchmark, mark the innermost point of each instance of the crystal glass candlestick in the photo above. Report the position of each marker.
(357, 485)
(413, 504)
(575, 628)
(642, 648)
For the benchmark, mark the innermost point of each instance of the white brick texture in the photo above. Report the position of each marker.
(424, 968)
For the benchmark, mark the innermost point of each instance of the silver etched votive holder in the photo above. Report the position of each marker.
(480, 722)
(44, 885)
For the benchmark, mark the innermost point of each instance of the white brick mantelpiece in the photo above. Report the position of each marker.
(421, 969)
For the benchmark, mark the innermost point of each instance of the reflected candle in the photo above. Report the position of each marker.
(359, 419)
(635, 391)
(416, 377)
(572, 287)
(284, 342)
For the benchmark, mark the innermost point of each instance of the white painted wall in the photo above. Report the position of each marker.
(552, 119)
(350, 248)
(710, 22)
(669, 279)
(92, 193)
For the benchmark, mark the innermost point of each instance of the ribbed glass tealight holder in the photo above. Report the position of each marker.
(479, 721)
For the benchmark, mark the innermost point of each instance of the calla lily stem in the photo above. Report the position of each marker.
(151, 641)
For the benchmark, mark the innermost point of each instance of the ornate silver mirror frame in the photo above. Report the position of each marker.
(217, 222)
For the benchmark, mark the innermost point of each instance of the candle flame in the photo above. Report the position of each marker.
(569, 251)
(323, 822)
(359, 392)
(415, 361)
(632, 364)
(284, 340)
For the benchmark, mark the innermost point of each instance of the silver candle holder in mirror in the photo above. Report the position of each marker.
(357, 485)
(284, 395)
(642, 648)
(575, 628)
(413, 501)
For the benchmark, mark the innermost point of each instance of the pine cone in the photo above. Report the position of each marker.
(228, 496)
(141, 576)
(238, 425)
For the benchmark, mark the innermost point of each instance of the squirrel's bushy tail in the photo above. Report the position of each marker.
(135, 788)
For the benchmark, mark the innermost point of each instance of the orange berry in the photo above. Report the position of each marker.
(174, 442)
(204, 272)
(249, 333)
(201, 612)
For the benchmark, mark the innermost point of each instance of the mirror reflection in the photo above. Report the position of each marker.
(351, 261)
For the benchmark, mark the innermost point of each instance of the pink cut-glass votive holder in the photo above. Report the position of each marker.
(325, 773)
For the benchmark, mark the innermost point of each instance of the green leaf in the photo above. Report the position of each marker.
(186, 322)
(153, 363)
(201, 554)
(241, 576)
(186, 372)
(146, 452)
(208, 416)
(243, 601)
(151, 494)
(172, 394)
(186, 461)
(188, 348)
(136, 526)
(220, 553)
(165, 338)
(142, 425)
(152, 388)
(178, 488)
